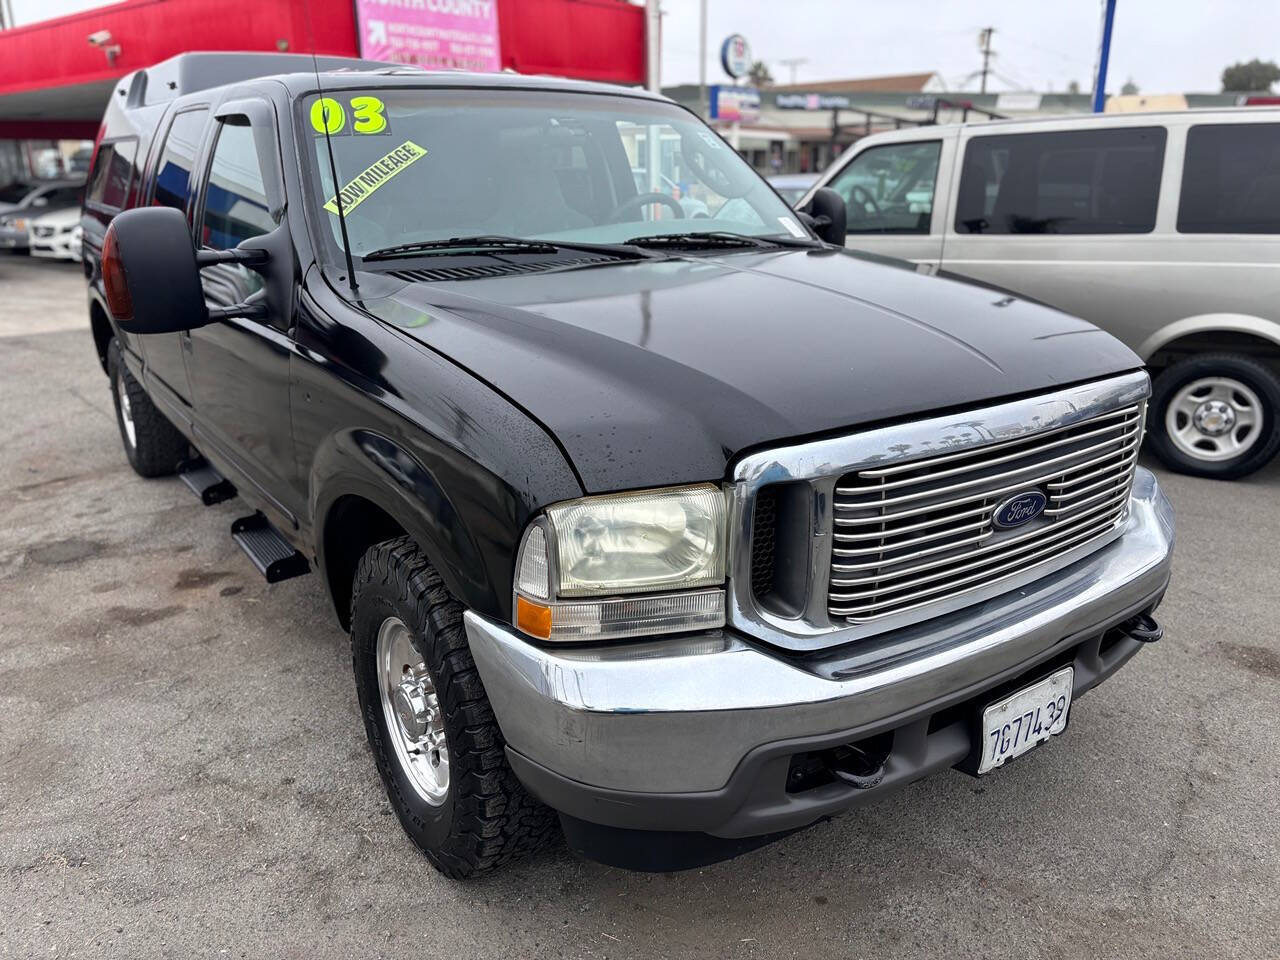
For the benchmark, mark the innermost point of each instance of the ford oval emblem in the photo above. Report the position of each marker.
(1021, 508)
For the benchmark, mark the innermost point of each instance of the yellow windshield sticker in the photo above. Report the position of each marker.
(375, 175)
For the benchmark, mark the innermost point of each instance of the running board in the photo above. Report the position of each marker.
(274, 557)
(205, 482)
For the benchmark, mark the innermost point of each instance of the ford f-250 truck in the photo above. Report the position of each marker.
(677, 532)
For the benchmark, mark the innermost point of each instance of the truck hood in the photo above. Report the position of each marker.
(662, 371)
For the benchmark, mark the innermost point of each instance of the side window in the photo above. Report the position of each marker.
(889, 189)
(71, 196)
(1074, 181)
(1231, 179)
(235, 202)
(173, 172)
(112, 176)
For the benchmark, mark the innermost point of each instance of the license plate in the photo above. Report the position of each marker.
(1026, 719)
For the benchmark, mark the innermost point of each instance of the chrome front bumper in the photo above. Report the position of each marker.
(678, 716)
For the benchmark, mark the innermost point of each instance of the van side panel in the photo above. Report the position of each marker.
(1135, 286)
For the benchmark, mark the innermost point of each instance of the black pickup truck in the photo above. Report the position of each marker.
(655, 516)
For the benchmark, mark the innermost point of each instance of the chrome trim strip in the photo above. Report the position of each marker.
(916, 464)
(1027, 451)
(986, 494)
(978, 481)
(1027, 549)
(1123, 465)
(882, 548)
(879, 535)
(1043, 533)
(819, 463)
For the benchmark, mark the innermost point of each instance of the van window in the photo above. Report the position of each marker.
(1231, 179)
(235, 202)
(173, 173)
(889, 189)
(112, 175)
(1075, 181)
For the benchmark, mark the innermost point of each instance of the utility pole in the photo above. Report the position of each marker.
(653, 45)
(984, 44)
(791, 63)
(702, 61)
(1104, 54)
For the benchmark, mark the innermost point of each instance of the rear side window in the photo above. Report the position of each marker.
(173, 173)
(1231, 179)
(235, 202)
(1075, 181)
(112, 176)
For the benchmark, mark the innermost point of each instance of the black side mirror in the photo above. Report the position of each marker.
(151, 273)
(825, 213)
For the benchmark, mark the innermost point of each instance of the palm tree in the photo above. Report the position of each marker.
(759, 74)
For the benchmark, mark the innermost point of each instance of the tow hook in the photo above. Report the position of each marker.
(859, 767)
(1142, 628)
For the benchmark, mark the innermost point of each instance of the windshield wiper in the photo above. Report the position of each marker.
(493, 243)
(718, 238)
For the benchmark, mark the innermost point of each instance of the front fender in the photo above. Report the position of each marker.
(365, 464)
(1209, 323)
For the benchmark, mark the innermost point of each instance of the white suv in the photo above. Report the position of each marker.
(1163, 229)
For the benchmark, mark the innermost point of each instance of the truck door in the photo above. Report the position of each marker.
(171, 187)
(894, 197)
(240, 366)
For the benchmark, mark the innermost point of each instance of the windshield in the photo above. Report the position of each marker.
(419, 165)
(14, 192)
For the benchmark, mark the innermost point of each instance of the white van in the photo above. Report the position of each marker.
(1163, 229)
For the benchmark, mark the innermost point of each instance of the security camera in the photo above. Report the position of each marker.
(102, 40)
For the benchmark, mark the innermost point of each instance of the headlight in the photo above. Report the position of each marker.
(669, 542)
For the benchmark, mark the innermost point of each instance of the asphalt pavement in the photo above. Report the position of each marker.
(185, 771)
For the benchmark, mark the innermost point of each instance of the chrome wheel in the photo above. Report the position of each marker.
(126, 414)
(1214, 418)
(411, 709)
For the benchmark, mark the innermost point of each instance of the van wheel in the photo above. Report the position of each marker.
(1215, 415)
(153, 444)
(432, 731)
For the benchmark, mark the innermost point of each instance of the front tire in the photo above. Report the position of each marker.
(153, 444)
(1215, 415)
(431, 729)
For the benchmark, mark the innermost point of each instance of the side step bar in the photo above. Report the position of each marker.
(274, 557)
(205, 482)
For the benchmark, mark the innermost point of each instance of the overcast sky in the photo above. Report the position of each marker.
(1166, 46)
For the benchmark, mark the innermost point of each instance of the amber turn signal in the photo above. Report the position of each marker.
(533, 618)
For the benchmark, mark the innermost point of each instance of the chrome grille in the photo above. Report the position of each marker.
(922, 531)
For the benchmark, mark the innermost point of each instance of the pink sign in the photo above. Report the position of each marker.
(434, 34)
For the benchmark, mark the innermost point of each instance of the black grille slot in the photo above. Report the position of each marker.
(764, 542)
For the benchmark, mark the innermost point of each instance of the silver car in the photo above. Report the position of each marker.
(1163, 229)
(22, 203)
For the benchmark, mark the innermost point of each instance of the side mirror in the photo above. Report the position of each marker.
(826, 215)
(40, 202)
(151, 273)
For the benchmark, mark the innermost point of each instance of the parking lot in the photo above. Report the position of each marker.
(185, 770)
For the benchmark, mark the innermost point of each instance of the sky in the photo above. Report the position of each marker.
(1165, 46)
